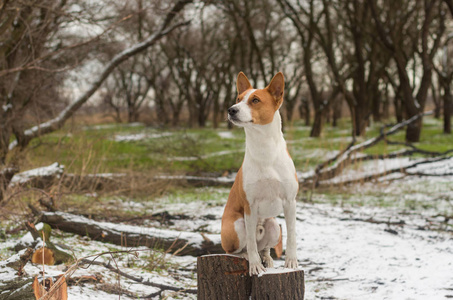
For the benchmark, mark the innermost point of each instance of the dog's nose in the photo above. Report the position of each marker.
(232, 111)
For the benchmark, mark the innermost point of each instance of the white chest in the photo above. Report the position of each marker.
(268, 185)
(269, 175)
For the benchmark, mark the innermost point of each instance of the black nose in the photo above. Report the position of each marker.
(232, 111)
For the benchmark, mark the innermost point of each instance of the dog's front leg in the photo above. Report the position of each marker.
(289, 210)
(255, 264)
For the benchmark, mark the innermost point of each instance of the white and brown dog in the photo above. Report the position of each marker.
(266, 184)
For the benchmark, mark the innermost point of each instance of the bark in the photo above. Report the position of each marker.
(18, 287)
(186, 243)
(448, 107)
(227, 277)
(318, 122)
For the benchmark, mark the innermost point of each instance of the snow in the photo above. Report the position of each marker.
(54, 169)
(139, 136)
(349, 250)
(7, 107)
(356, 260)
(226, 134)
(206, 156)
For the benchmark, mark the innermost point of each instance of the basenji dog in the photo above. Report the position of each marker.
(266, 184)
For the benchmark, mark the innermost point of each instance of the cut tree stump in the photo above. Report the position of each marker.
(227, 277)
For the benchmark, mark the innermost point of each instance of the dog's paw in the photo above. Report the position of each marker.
(267, 261)
(291, 263)
(256, 269)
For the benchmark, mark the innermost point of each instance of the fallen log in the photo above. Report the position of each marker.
(18, 285)
(195, 244)
(323, 172)
(400, 169)
(227, 277)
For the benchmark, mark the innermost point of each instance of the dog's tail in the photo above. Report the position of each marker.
(279, 247)
(260, 230)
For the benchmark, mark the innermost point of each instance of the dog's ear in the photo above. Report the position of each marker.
(242, 83)
(277, 86)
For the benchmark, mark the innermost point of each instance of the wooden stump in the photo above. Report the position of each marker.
(227, 277)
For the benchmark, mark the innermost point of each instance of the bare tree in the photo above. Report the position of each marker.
(412, 32)
(18, 59)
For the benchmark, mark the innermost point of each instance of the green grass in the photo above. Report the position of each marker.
(93, 150)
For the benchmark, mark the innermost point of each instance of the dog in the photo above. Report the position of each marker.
(266, 184)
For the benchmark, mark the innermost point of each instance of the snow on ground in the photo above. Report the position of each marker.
(345, 258)
(139, 136)
(226, 134)
(206, 156)
(352, 249)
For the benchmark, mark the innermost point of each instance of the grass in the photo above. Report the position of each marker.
(196, 151)
(93, 149)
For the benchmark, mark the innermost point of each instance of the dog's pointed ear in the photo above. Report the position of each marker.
(277, 87)
(242, 83)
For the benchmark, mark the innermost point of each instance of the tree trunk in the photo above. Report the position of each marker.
(216, 113)
(316, 128)
(304, 111)
(133, 236)
(289, 105)
(376, 103)
(227, 277)
(414, 130)
(398, 103)
(336, 111)
(361, 120)
(448, 106)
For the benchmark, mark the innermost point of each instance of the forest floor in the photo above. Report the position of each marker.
(387, 239)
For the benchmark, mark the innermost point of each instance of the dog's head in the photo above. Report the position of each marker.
(256, 107)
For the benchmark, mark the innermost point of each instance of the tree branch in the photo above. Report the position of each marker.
(57, 122)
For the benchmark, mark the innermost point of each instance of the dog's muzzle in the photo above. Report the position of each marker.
(232, 111)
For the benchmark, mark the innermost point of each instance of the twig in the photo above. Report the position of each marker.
(137, 279)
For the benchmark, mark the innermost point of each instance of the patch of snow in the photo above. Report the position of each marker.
(139, 136)
(54, 169)
(7, 107)
(110, 126)
(226, 134)
(206, 156)
(279, 270)
(223, 179)
(357, 260)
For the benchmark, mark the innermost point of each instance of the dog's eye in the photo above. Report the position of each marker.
(255, 100)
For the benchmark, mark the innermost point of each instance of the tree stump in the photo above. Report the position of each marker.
(227, 277)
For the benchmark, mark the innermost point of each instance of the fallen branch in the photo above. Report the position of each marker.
(134, 236)
(374, 176)
(374, 221)
(345, 157)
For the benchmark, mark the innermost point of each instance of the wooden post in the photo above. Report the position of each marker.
(227, 277)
